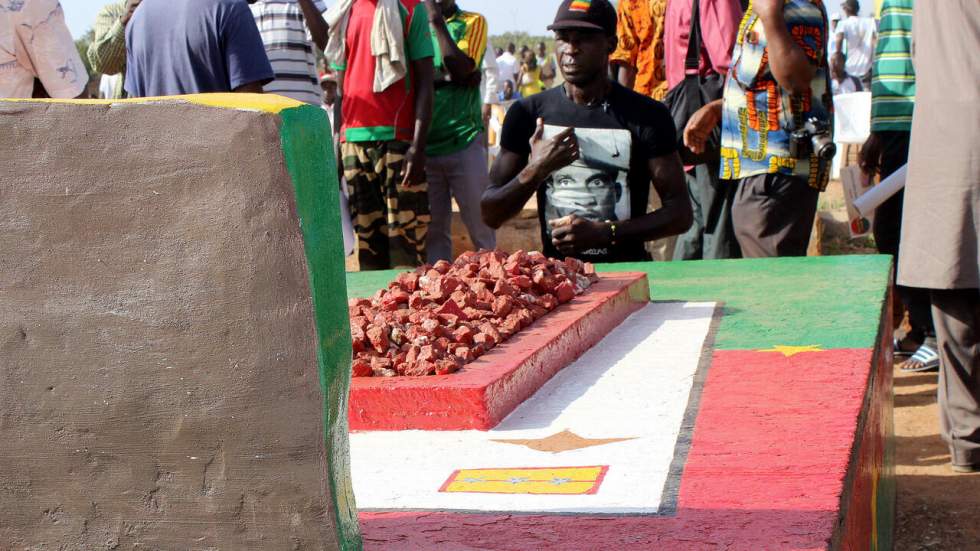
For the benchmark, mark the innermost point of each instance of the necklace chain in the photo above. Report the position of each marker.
(600, 100)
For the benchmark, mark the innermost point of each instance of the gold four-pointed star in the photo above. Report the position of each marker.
(563, 441)
(789, 351)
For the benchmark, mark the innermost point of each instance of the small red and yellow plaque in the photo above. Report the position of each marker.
(532, 480)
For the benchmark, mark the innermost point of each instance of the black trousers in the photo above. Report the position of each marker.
(888, 232)
(957, 315)
(773, 215)
(712, 235)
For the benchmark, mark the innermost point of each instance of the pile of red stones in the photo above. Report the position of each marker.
(438, 318)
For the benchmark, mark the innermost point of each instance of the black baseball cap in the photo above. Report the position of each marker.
(591, 15)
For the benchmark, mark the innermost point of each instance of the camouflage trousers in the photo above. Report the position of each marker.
(390, 220)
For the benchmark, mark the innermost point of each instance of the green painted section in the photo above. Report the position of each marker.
(308, 150)
(830, 301)
(365, 284)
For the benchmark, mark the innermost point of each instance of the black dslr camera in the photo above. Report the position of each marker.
(813, 139)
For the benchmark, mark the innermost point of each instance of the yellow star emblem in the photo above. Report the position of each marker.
(790, 351)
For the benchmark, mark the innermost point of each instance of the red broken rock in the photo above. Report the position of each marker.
(564, 292)
(450, 307)
(436, 319)
(378, 338)
(464, 353)
(521, 282)
(361, 368)
(485, 340)
(502, 306)
(442, 267)
(463, 335)
(447, 365)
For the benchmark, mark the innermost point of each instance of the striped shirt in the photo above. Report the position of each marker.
(290, 48)
(893, 83)
(107, 51)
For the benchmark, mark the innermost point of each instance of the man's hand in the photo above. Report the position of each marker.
(870, 157)
(413, 172)
(319, 30)
(131, 6)
(700, 126)
(572, 234)
(486, 112)
(769, 11)
(549, 155)
(435, 12)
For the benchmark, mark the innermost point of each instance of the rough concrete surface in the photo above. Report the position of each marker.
(158, 380)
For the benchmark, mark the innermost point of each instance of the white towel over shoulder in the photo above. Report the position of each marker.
(387, 40)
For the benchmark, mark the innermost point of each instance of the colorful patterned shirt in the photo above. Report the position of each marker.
(107, 52)
(290, 48)
(456, 112)
(759, 115)
(35, 43)
(389, 115)
(893, 83)
(640, 30)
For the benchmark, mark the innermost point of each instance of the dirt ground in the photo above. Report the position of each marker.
(936, 509)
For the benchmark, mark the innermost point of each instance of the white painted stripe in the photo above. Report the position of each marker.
(635, 383)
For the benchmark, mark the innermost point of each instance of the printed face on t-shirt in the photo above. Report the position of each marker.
(586, 192)
(595, 186)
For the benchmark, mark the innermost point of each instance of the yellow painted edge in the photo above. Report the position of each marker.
(534, 488)
(538, 474)
(267, 103)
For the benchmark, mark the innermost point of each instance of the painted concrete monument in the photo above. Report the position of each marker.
(747, 406)
(174, 339)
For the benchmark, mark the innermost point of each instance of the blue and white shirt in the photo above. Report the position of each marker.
(290, 48)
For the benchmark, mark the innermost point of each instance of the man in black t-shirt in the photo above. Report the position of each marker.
(589, 150)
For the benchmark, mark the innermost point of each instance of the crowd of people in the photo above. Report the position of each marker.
(708, 120)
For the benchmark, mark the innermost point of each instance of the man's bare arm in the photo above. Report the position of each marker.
(459, 65)
(319, 29)
(511, 187)
(788, 63)
(414, 172)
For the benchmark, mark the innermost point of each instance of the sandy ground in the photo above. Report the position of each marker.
(936, 508)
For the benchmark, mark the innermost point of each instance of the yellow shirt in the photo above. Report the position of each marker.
(531, 82)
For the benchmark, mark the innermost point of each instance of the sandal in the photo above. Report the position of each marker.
(925, 359)
(900, 347)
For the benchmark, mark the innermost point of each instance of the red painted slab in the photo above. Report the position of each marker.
(774, 442)
(481, 394)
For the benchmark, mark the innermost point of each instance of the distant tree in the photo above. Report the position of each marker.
(521, 39)
(82, 45)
